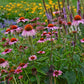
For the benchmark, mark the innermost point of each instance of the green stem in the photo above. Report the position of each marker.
(31, 43)
(38, 82)
(51, 47)
(27, 76)
(4, 80)
(14, 79)
(51, 80)
(20, 81)
(54, 80)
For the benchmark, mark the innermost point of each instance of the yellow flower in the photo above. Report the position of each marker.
(53, 14)
(1, 6)
(40, 13)
(4, 8)
(60, 2)
(16, 11)
(32, 11)
(40, 8)
(26, 9)
(18, 5)
(9, 9)
(7, 5)
(81, 7)
(46, 20)
(44, 15)
(40, 4)
(73, 6)
(50, 2)
(75, 10)
(10, 3)
(20, 14)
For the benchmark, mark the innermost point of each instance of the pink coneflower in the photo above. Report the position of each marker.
(22, 48)
(7, 51)
(22, 19)
(4, 71)
(39, 27)
(18, 71)
(35, 19)
(64, 22)
(56, 12)
(39, 23)
(28, 31)
(15, 28)
(20, 77)
(57, 73)
(77, 20)
(33, 57)
(6, 43)
(3, 63)
(7, 31)
(49, 34)
(19, 30)
(4, 39)
(51, 39)
(41, 52)
(82, 40)
(44, 33)
(42, 40)
(13, 40)
(22, 65)
(51, 26)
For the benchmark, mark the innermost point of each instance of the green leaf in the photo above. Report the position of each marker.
(42, 58)
(71, 77)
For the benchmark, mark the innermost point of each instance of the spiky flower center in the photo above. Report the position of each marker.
(2, 60)
(49, 33)
(21, 18)
(77, 17)
(13, 39)
(60, 22)
(83, 39)
(21, 64)
(32, 57)
(69, 23)
(7, 30)
(13, 27)
(56, 72)
(18, 70)
(2, 71)
(41, 39)
(40, 51)
(74, 31)
(44, 33)
(3, 39)
(28, 27)
(50, 25)
(6, 50)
